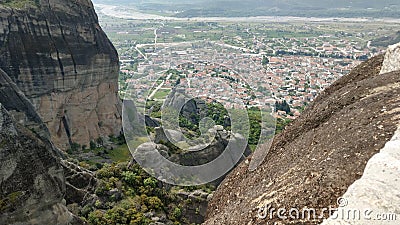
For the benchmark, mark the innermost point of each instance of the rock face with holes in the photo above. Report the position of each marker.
(59, 57)
(314, 161)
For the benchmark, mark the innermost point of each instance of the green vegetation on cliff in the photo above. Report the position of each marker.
(128, 195)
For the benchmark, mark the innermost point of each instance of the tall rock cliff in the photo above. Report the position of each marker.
(32, 182)
(314, 161)
(59, 57)
(58, 83)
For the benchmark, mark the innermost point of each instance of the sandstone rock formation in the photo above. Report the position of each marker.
(392, 59)
(375, 195)
(59, 57)
(55, 60)
(15, 102)
(187, 106)
(313, 162)
(31, 178)
(32, 181)
(197, 155)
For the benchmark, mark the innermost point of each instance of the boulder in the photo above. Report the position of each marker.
(392, 59)
(164, 136)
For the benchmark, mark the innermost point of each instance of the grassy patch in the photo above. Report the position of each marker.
(120, 154)
(162, 94)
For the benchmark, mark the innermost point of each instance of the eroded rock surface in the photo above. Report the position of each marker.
(392, 59)
(17, 104)
(59, 57)
(31, 178)
(199, 154)
(58, 82)
(374, 197)
(80, 184)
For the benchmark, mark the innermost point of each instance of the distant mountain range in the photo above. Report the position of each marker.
(231, 8)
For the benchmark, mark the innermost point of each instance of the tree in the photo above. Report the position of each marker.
(93, 145)
(265, 61)
(282, 106)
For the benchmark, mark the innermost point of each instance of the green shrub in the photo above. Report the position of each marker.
(92, 145)
(151, 182)
(154, 202)
(131, 178)
(177, 212)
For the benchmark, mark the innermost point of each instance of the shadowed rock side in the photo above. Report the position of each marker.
(32, 182)
(15, 102)
(313, 162)
(186, 105)
(59, 57)
(31, 178)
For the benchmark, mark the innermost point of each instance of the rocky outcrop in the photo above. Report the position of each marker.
(392, 59)
(31, 178)
(80, 184)
(32, 182)
(185, 105)
(165, 136)
(195, 205)
(314, 161)
(205, 151)
(55, 60)
(59, 57)
(15, 102)
(375, 195)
